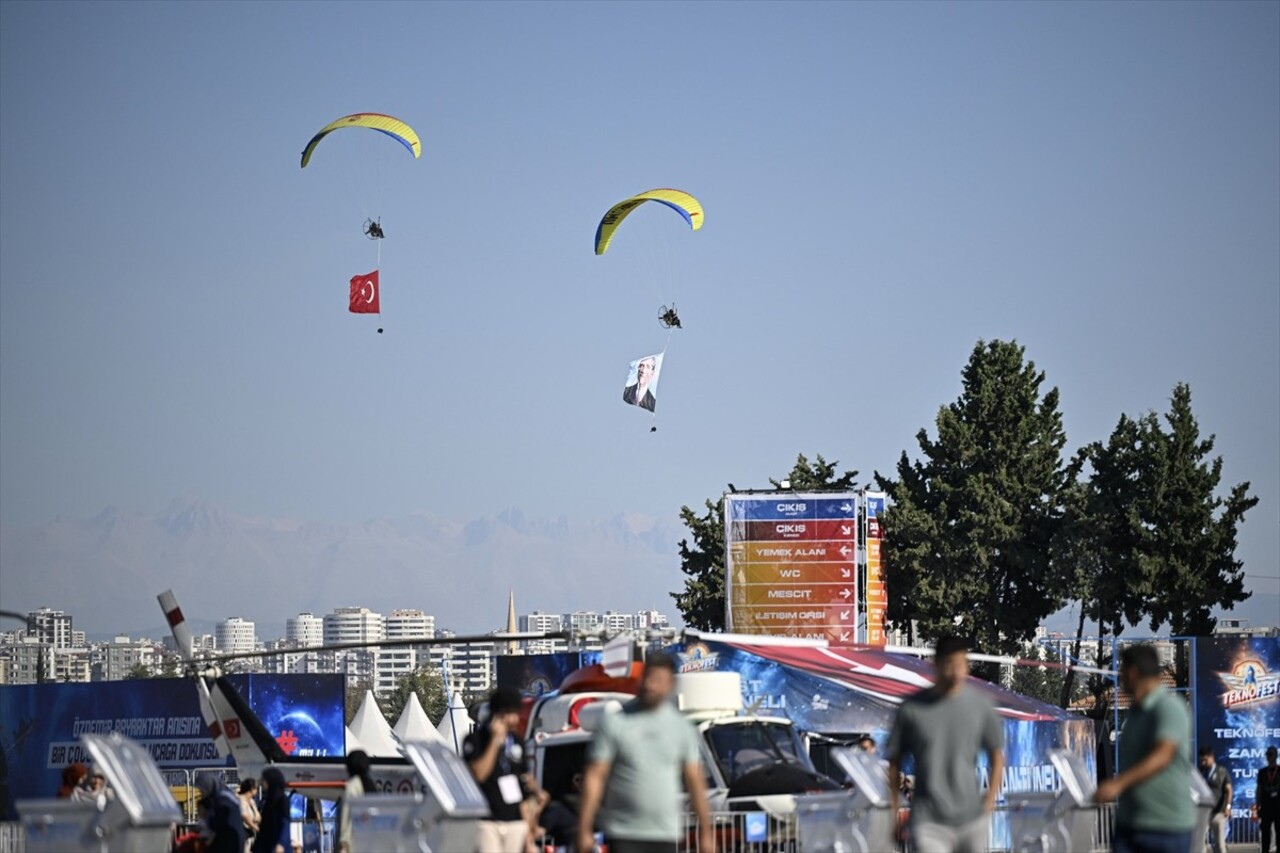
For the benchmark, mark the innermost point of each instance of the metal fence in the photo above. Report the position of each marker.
(741, 832)
(737, 831)
(1245, 830)
(12, 839)
(732, 830)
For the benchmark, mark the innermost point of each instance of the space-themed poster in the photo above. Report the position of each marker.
(41, 724)
(1237, 691)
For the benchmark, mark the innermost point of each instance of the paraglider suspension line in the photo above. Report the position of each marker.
(654, 427)
(378, 266)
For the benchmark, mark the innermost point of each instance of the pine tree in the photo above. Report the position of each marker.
(971, 529)
(1112, 529)
(1191, 554)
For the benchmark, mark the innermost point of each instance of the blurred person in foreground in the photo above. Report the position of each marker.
(635, 765)
(945, 727)
(1154, 813)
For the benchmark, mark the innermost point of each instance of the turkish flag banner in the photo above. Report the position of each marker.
(364, 294)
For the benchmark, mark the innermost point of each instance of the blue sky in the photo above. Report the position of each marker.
(884, 184)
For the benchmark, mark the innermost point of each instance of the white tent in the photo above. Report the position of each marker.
(353, 742)
(372, 730)
(414, 724)
(455, 724)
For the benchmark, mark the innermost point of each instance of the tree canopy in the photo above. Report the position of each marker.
(427, 683)
(971, 525)
(990, 529)
(1164, 536)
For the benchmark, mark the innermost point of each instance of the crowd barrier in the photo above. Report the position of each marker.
(731, 830)
(734, 834)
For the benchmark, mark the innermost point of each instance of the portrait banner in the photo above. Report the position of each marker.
(641, 388)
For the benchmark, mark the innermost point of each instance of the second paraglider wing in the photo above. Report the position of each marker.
(678, 200)
(390, 125)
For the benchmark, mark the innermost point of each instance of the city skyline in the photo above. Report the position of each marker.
(49, 621)
(49, 649)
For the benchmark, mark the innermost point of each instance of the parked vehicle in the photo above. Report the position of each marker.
(752, 762)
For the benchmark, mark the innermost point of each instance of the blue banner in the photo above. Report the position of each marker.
(1237, 689)
(41, 724)
(534, 675)
(784, 507)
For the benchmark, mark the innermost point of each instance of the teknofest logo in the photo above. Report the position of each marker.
(1249, 682)
(698, 658)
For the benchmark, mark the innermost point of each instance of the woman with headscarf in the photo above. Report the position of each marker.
(221, 827)
(274, 827)
(358, 783)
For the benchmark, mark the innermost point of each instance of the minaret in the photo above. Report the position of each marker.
(512, 646)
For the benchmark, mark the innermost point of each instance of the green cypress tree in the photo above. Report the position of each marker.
(971, 530)
(1191, 555)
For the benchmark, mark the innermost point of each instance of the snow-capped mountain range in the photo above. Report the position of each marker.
(106, 571)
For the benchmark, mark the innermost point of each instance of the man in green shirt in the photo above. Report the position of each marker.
(1154, 813)
(636, 763)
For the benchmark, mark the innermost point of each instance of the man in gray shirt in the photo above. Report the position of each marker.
(640, 756)
(944, 727)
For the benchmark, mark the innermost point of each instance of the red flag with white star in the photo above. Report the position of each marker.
(364, 294)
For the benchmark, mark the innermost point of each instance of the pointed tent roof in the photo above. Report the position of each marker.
(456, 723)
(352, 742)
(372, 730)
(414, 724)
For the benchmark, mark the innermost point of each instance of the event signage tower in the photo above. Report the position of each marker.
(791, 566)
(877, 594)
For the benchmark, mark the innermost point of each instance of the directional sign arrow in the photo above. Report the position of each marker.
(844, 593)
(844, 550)
(844, 636)
(844, 507)
(846, 530)
(845, 614)
(846, 573)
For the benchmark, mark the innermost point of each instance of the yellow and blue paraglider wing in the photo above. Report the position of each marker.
(390, 125)
(678, 200)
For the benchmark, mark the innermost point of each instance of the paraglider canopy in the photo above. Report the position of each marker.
(678, 200)
(390, 125)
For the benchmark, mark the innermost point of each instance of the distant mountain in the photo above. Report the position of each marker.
(107, 570)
